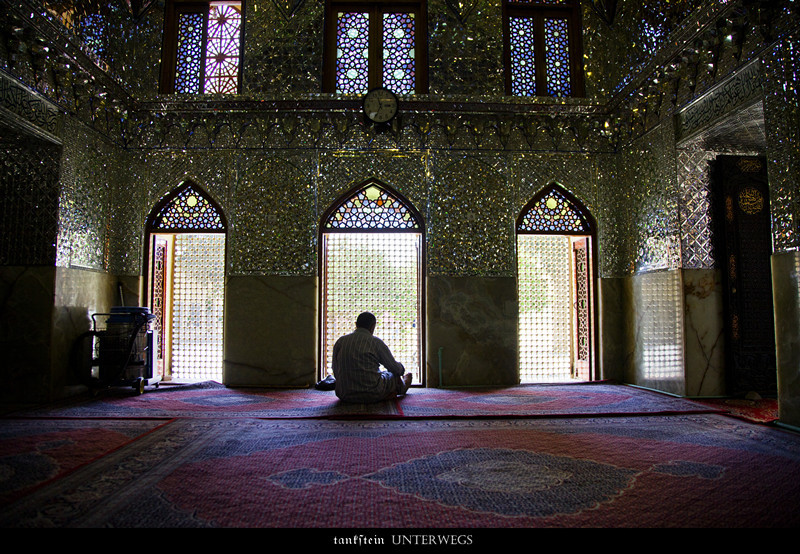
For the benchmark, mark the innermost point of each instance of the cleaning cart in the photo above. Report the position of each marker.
(118, 351)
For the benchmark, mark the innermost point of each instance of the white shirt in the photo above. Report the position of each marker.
(357, 358)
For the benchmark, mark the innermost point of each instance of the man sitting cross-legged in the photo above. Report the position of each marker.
(356, 361)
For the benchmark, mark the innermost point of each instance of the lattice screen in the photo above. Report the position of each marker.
(379, 273)
(545, 307)
(197, 306)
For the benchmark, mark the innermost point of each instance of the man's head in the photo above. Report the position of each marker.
(366, 321)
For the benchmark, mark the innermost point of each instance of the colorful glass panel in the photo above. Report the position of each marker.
(189, 54)
(554, 213)
(372, 208)
(556, 47)
(352, 53)
(523, 61)
(398, 52)
(222, 48)
(189, 210)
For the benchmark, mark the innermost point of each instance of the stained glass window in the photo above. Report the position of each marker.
(188, 210)
(543, 48)
(523, 61)
(376, 45)
(207, 45)
(372, 207)
(352, 53)
(398, 52)
(372, 244)
(186, 288)
(222, 48)
(553, 212)
(556, 47)
(190, 52)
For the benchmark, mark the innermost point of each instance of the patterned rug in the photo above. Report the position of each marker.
(763, 410)
(212, 399)
(544, 401)
(686, 470)
(32, 454)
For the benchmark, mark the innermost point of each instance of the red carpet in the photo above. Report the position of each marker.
(211, 399)
(764, 410)
(596, 455)
(646, 471)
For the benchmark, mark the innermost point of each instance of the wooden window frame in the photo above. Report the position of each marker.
(539, 11)
(376, 8)
(169, 51)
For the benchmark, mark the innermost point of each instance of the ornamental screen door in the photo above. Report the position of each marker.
(371, 260)
(186, 270)
(555, 289)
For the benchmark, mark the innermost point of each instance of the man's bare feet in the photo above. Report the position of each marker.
(406, 383)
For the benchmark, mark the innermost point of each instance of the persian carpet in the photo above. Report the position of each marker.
(544, 401)
(212, 399)
(764, 410)
(682, 470)
(33, 453)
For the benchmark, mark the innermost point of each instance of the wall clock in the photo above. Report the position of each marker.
(380, 105)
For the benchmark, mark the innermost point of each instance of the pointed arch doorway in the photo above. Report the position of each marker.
(371, 259)
(184, 283)
(555, 287)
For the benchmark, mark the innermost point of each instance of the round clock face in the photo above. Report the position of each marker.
(380, 105)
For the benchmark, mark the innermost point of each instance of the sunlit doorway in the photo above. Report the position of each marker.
(185, 285)
(371, 259)
(555, 287)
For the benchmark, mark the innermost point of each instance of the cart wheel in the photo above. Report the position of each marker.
(139, 386)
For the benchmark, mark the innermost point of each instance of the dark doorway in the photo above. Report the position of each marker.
(743, 245)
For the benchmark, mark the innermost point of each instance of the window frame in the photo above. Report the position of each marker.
(169, 51)
(539, 11)
(376, 8)
(419, 229)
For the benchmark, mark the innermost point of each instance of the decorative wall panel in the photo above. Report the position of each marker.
(28, 200)
(471, 223)
(782, 122)
(275, 216)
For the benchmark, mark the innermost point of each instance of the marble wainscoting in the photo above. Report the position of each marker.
(79, 294)
(703, 332)
(615, 350)
(44, 310)
(472, 328)
(664, 330)
(270, 331)
(786, 299)
(26, 333)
